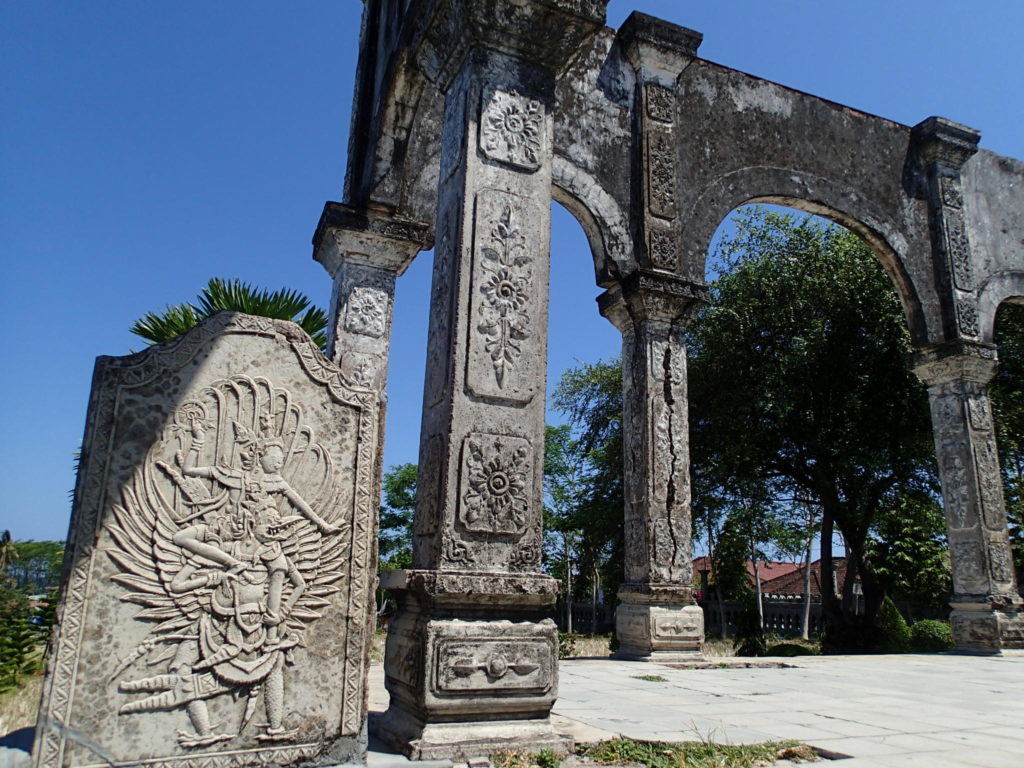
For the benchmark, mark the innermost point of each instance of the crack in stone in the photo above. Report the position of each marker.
(670, 492)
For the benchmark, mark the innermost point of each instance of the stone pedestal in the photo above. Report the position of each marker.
(987, 610)
(658, 618)
(471, 662)
(471, 665)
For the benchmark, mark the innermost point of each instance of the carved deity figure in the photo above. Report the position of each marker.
(229, 569)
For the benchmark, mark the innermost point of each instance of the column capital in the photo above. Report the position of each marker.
(957, 360)
(657, 49)
(944, 143)
(649, 295)
(368, 237)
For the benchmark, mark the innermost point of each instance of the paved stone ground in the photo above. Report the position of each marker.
(883, 711)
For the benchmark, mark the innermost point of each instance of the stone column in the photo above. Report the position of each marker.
(364, 251)
(657, 618)
(471, 660)
(986, 606)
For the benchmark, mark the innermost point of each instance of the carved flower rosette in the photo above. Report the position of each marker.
(498, 478)
(512, 129)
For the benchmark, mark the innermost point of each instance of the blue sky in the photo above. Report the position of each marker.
(145, 147)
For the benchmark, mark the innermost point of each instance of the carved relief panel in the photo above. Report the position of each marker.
(512, 129)
(508, 299)
(497, 485)
(223, 542)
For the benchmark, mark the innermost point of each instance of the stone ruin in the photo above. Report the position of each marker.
(469, 117)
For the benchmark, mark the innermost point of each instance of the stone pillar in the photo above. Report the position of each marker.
(471, 660)
(986, 606)
(364, 252)
(657, 618)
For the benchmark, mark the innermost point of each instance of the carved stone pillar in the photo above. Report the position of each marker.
(658, 52)
(986, 606)
(657, 618)
(471, 660)
(364, 252)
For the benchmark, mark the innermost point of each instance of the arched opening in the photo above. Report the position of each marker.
(1008, 419)
(583, 486)
(806, 422)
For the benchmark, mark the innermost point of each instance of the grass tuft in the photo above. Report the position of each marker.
(694, 754)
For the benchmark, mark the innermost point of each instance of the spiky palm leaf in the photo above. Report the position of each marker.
(235, 296)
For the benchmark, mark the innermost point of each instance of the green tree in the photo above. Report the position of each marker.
(798, 384)
(910, 555)
(396, 516)
(590, 396)
(564, 496)
(236, 296)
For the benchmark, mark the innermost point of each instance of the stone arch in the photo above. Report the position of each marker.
(806, 192)
(1002, 287)
(602, 218)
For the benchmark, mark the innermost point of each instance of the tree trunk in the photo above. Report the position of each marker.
(805, 626)
(757, 583)
(830, 608)
(568, 585)
(593, 603)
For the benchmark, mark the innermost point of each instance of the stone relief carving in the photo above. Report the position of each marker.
(497, 475)
(672, 624)
(990, 484)
(951, 195)
(483, 665)
(660, 103)
(512, 129)
(967, 562)
(661, 175)
(456, 551)
(442, 285)
(220, 540)
(956, 493)
(362, 369)
(366, 311)
(1000, 562)
(967, 317)
(525, 558)
(662, 249)
(959, 252)
(979, 412)
(505, 285)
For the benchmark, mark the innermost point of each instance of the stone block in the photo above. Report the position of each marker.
(219, 580)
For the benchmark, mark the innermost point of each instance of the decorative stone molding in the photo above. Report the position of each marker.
(512, 129)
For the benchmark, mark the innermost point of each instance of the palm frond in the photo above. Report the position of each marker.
(173, 321)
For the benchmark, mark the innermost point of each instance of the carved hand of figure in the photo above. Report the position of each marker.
(328, 529)
(214, 578)
(196, 425)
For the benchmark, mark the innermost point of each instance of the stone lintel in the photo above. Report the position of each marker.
(654, 46)
(945, 143)
(365, 236)
(651, 295)
(446, 31)
(956, 360)
(462, 587)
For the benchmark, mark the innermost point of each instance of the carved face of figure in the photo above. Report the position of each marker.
(273, 459)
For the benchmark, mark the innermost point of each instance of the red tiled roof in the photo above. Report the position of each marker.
(780, 578)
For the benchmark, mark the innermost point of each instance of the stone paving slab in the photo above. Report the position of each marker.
(939, 711)
(882, 711)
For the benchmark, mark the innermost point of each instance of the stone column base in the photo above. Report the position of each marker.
(419, 740)
(660, 624)
(981, 628)
(471, 665)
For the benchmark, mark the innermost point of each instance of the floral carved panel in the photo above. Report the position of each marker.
(507, 300)
(367, 311)
(512, 129)
(496, 484)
